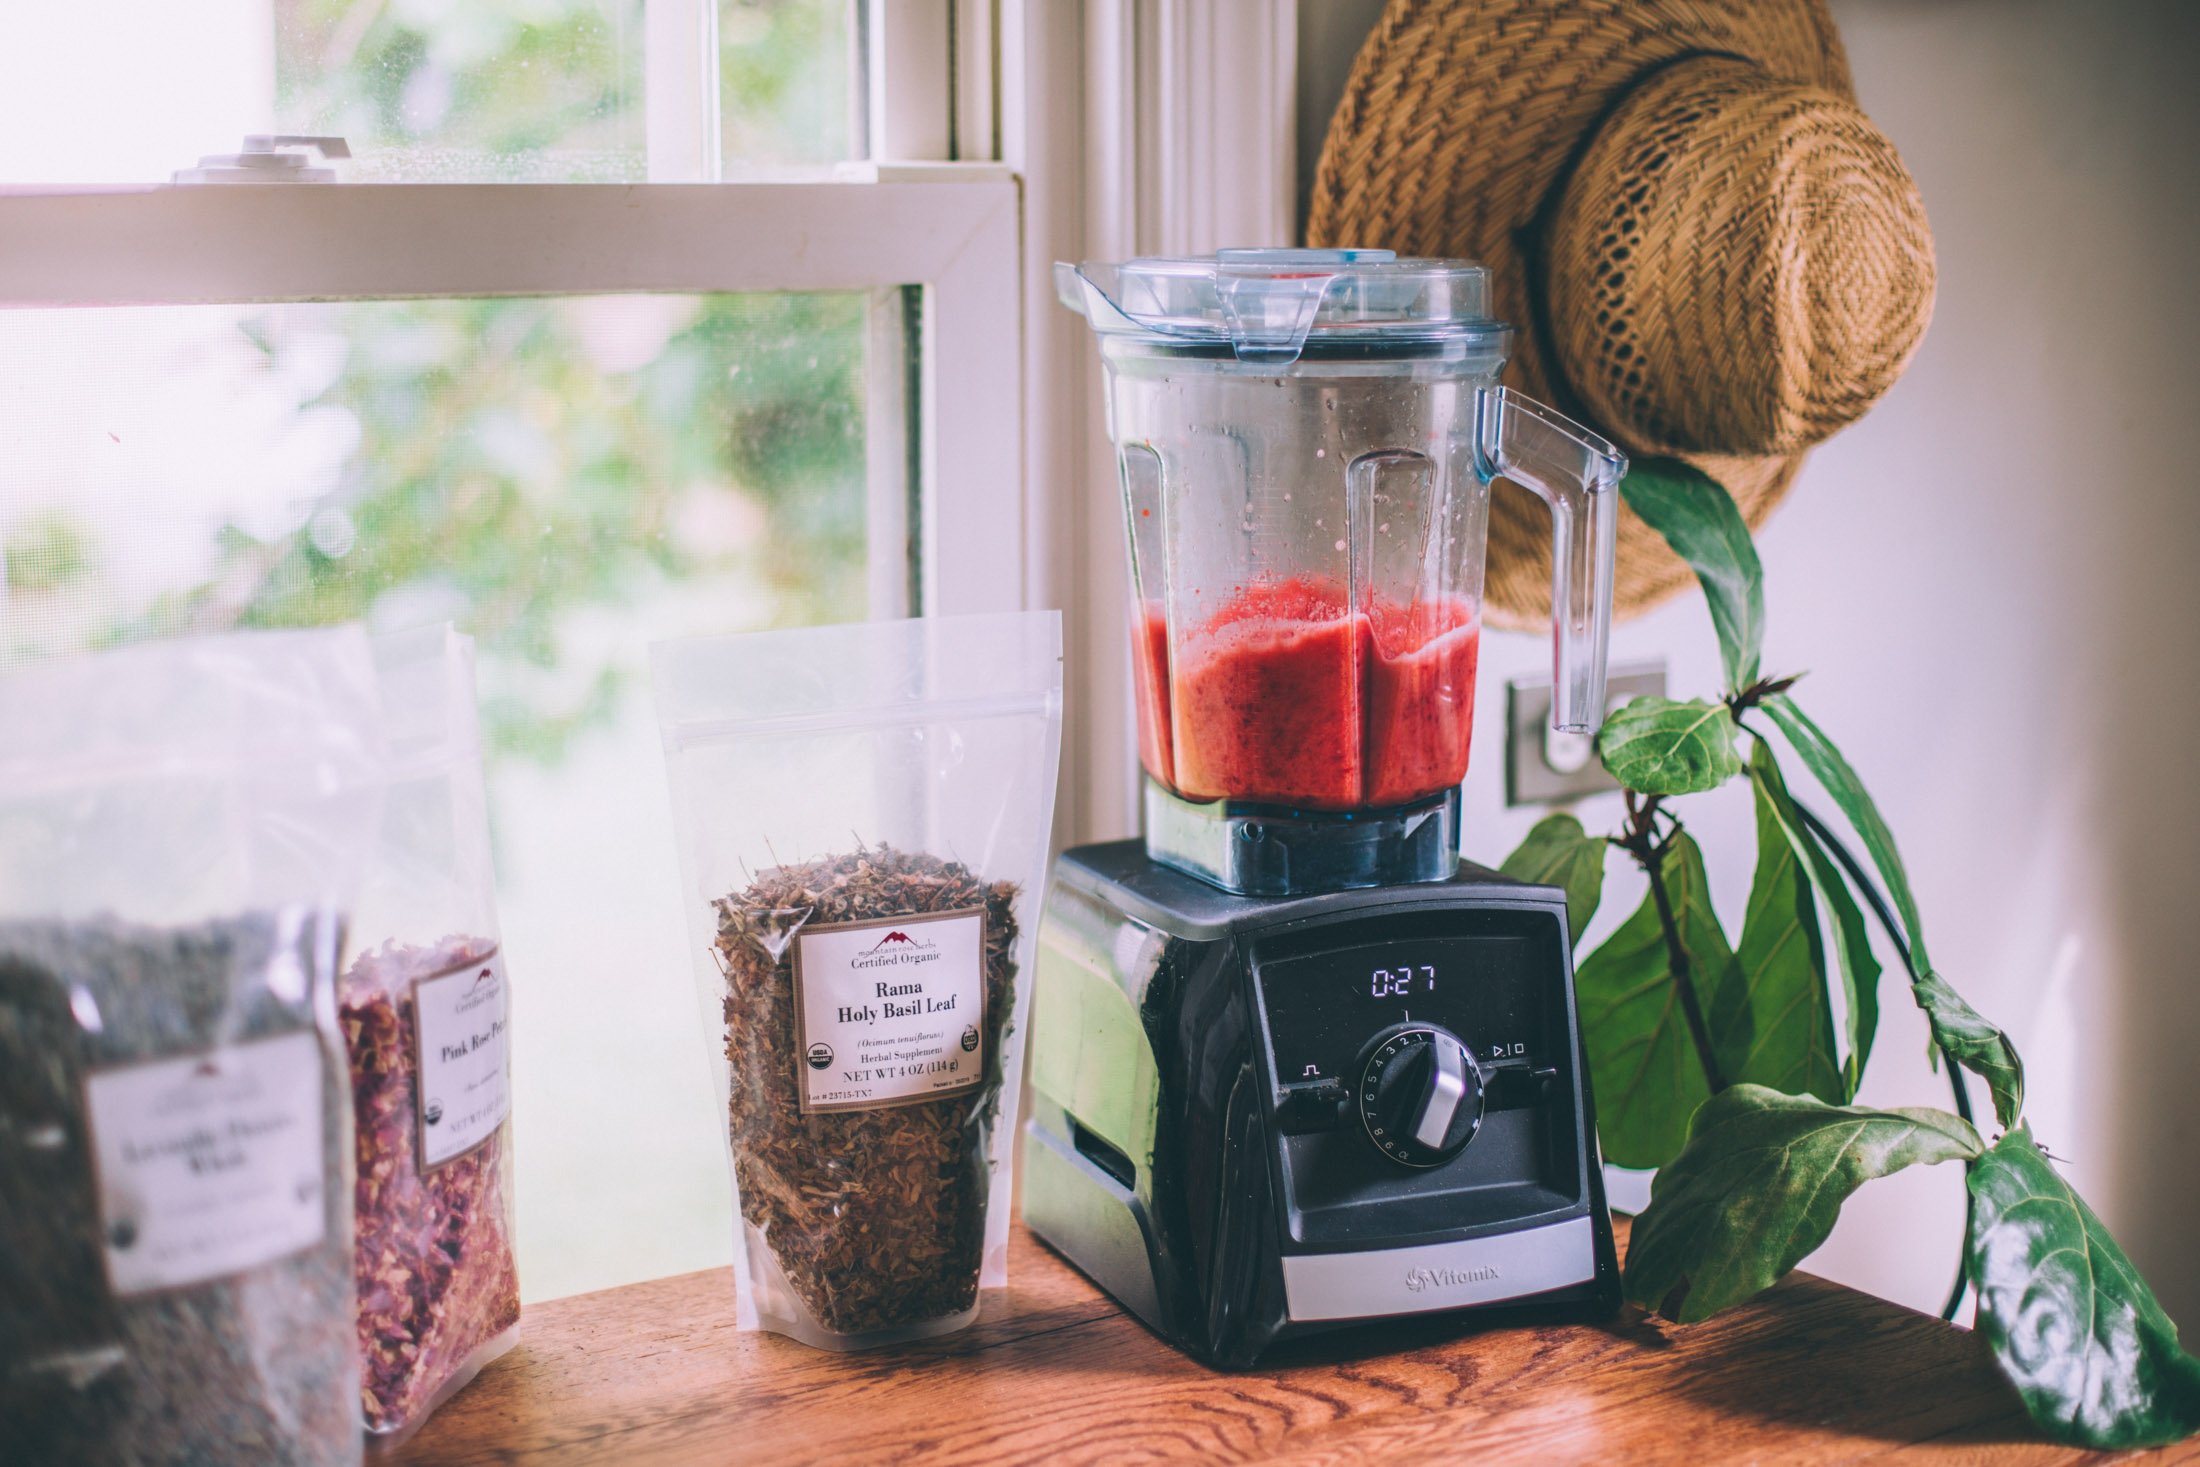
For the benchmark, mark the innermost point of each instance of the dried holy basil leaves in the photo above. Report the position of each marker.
(111, 1350)
(874, 1215)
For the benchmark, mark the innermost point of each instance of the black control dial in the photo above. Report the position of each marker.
(1420, 1095)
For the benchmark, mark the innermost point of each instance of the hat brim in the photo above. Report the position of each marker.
(1459, 124)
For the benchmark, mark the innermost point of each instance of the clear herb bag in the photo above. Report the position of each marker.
(182, 831)
(864, 815)
(425, 1008)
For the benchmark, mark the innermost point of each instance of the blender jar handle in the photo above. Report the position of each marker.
(1577, 474)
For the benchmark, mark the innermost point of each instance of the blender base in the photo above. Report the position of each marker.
(1273, 850)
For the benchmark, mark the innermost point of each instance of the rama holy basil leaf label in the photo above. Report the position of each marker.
(465, 1070)
(208, 1165)
(891, 1011)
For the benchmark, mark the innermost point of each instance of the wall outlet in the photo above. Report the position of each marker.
(1543, 766)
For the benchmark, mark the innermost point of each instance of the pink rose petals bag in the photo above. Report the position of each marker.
(424, 1010)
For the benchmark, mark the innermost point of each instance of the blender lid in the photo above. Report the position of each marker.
(1271, 304)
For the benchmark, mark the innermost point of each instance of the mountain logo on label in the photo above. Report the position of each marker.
(898, 940)
(481, 992)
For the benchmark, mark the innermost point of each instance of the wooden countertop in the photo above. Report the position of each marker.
(1810, 1372)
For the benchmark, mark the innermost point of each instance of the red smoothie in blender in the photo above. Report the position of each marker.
(1282, 697)
(1267, 699)
(1420, 698)
(1150, 678)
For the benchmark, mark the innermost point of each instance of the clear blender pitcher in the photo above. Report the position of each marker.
(1305, 440)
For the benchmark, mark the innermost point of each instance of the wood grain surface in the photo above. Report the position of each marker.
(1809, 1372)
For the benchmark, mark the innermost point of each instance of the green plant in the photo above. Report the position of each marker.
(1722, 1065)
(505, 471)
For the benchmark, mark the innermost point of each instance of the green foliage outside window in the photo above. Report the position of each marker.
(501, 466)
(514, 90)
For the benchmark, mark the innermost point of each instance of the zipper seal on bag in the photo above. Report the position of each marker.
(692, 733)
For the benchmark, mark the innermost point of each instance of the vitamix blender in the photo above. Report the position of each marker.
(1294, 1066)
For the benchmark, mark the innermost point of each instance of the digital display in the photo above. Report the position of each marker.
(1489, 987)
(1402, 981)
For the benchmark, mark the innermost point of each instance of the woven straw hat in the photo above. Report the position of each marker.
(1711, 252)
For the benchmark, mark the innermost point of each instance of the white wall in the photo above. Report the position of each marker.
(1994, 581)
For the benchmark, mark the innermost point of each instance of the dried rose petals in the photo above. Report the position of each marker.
(438, 1286)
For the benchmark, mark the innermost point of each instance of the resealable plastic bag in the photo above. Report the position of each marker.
(425, 1009)
(183, 827)
(864, 815)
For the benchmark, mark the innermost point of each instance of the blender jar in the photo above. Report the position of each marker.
(1305, 441)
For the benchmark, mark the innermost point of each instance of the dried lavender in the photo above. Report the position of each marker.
(253, 1366)
(438, 1284)
(875, 1216)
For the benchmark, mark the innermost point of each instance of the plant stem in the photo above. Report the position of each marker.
(1640, 840)
(1749, 697)
(1880, 909)
(1684, 982)
(1957, 1086)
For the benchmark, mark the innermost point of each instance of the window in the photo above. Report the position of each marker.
(572, 414)
(442, 91)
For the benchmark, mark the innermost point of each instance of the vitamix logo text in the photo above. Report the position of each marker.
(1421, 1280)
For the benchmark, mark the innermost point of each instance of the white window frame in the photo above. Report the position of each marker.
(1137, 127)
(954, 235)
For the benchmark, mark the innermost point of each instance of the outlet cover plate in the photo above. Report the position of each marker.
(1544, 767)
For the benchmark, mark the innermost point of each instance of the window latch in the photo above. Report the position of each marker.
(269, 158)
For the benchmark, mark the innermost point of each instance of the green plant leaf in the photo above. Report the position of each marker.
(1851, 940)
(1642, 1058)
(1558, 852)
(1832, 770)
(1760, 1186)
(1781, 1032)
(1957, 1027)
(1698, 518)
(1976, 1044)
(1659, 747)
(2070, 1321)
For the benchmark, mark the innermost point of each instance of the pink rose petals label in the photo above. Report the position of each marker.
(465, 1063)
